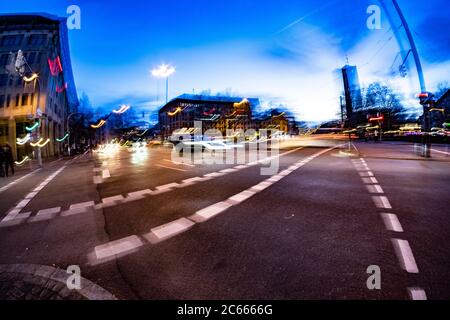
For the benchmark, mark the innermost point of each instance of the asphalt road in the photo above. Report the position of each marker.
(145, 227)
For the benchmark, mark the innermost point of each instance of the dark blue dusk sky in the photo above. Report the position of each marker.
(248, 48)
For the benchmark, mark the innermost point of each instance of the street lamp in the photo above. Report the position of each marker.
(164, 71)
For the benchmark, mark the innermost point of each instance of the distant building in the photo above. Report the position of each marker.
(43, 39)
(352, 90)
(443, 103)
(216, 112)
(278, 121)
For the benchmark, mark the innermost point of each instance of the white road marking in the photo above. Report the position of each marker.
(366, 174)
(240, 197)
(443, 152)
(23, 203)
(210, 211)
(190, 180)
(140, 193)
(113, 199)
(261, 186)
(215, 174)
(381, 202)
(213, 210)
(167, 186)
(168, 230)
(417, 294)
(374, 188)
(179, 163)
(117, 247)
(106, 174)
(230, 170)
(391, 222)
(405, 255)
(45, 214)
(369, 180)
(97, 179)
(49, 211)
(177, 169)
(82, 205)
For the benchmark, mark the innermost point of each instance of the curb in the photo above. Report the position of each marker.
(89, 290)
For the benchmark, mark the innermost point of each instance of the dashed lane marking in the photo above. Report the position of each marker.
(369, 180)
(168, 230)
(13, 214)
(82, 205)
(405, 255)
(172, 168)
(137, 195)
(118, 247)
(391, 222)
(131, 243)
(374, 188)
(106, 174)
(381, 202)
(417, 294)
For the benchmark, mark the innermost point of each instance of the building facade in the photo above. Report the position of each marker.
(215, 112)
(352, 90)
(45, 93)
(442, 118)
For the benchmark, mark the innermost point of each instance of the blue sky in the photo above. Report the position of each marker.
(249, 48)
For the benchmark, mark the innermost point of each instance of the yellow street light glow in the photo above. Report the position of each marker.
(241, 104)
(177, 110)
(98, 125)
(19, 163)
(41, 145)
(35, 144)
(33, 77)
(281, 114)
(163, 71)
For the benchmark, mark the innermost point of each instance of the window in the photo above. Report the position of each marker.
(8, 101)
(19, 82)
(32, 99)
(15, 40)
(4, 59)
(3, 80)
(37, 39)
(2, 101)
(24, 99)
(18, 100)
(31, 57)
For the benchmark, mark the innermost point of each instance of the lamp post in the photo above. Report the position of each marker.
(164, 71)
(426, 122)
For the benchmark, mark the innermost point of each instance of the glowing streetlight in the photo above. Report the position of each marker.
(164, 71)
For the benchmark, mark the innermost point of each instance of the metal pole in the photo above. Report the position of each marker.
(39, 155)
(68, 131)
(418, 64)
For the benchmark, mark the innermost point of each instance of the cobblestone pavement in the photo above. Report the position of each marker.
(35, 282)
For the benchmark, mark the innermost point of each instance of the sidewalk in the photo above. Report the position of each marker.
(25, 169)
(400, 151)
(37, 282)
